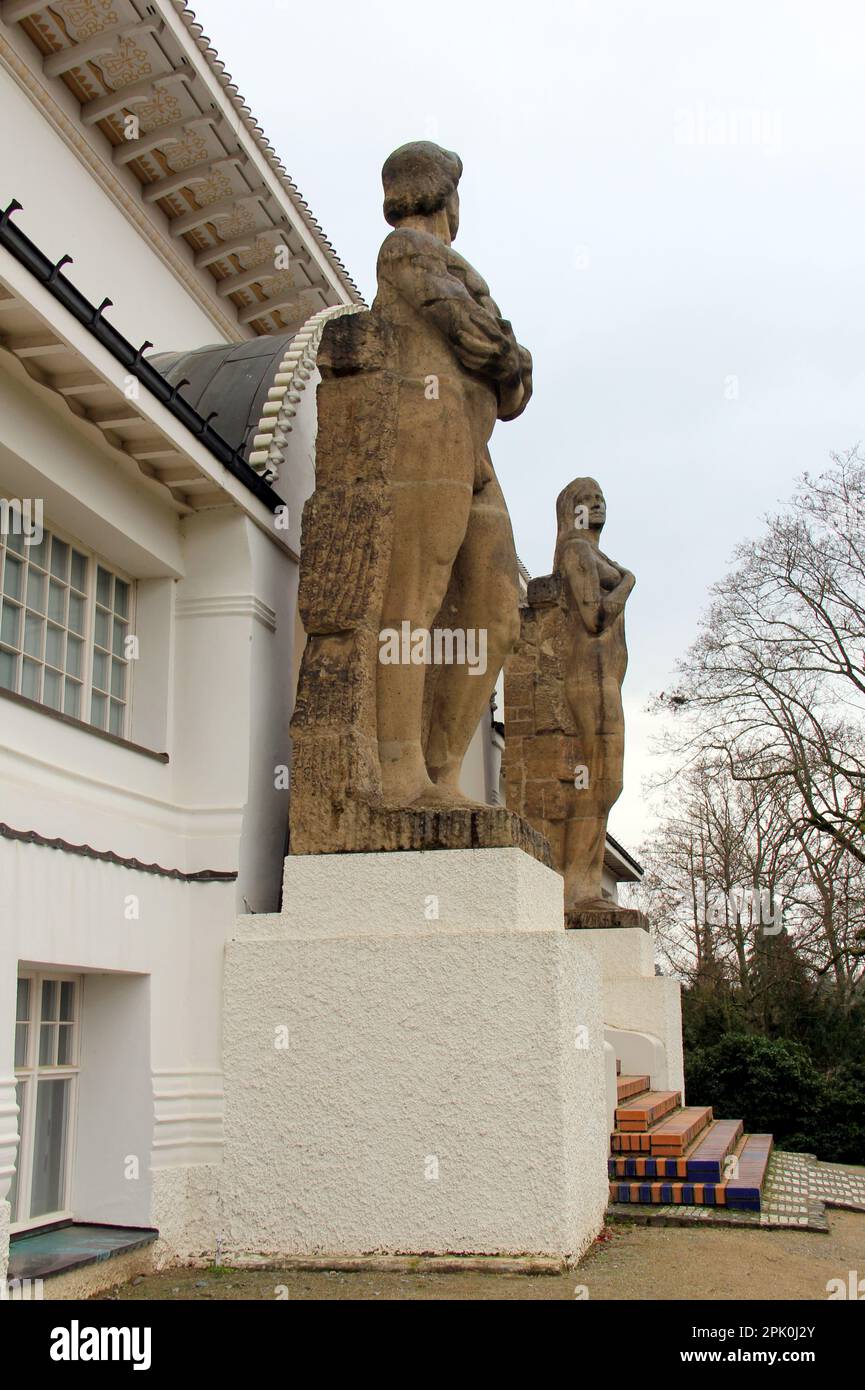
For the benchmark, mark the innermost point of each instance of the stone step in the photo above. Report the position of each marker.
(745, 1185)
(628, 1086)
(742, 1192)
(670, 1194)
(702, 1161)
(667, 1138)
(671, 1138)
(647, 1111)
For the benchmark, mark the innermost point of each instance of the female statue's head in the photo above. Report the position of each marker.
(420, 179)
(582, 505)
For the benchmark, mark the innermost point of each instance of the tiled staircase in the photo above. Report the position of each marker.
(665, 1153)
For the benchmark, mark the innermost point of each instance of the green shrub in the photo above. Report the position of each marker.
(771, 1084)
(841, 1129)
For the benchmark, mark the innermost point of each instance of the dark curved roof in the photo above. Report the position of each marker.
(232, 379)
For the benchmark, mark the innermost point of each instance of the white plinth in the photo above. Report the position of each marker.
(409, 891)
(442, 1087)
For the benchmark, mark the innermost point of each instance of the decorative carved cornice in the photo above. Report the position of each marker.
(211, 173)
(295, 369)
(118, 195)
(129, 206)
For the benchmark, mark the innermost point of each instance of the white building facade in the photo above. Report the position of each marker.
(151, 503)
(148, 650)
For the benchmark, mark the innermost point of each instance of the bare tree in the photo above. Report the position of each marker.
(744, 898)
(775, 682)
(721, 867)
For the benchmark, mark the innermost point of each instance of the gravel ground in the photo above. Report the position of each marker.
(627, 1262)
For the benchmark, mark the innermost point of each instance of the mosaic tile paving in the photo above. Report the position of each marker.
(796, 1193)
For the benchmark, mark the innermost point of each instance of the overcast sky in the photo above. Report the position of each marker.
(667, 201)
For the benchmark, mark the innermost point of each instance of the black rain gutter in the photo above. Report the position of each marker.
(48, 274)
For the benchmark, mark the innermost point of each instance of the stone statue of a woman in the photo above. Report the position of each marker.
(595, 591)
(564, 723)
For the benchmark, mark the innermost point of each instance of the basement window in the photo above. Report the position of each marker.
(65, 617)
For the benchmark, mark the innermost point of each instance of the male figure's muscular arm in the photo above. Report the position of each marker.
(516, 392)
(481, 339)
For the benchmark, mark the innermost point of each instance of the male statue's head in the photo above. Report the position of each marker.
(581, 506)
(420, 189)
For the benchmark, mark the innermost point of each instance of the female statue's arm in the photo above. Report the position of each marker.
(581, 573)
(613, 604)
(597, 611)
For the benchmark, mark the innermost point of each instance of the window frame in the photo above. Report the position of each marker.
(28, 1075)
(95, 562)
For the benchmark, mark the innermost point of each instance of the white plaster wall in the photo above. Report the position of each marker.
(234, 687)
(623, 951)
(8, 1107)
(82, 485)
(150, 703)
(72, 912)
(611, 1090)
(473, 777)
(214, 615)
(609, 886)
(640, 1054)
(114, 1131)
(212, 689)
(650, 1006)
(432, 1097)
(296, 480)
(639, 1001)
(111, 257)
(473, 1042)
(186, 1213)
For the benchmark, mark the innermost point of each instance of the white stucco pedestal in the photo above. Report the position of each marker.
(403, 1082)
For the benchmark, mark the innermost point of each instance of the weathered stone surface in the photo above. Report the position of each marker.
(407, 530)
(564, 724)
(345, 534)
(544, 589)
(595, 919)
(359, 825)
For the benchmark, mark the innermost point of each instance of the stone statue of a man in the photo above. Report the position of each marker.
(460, 368)
(408, 586)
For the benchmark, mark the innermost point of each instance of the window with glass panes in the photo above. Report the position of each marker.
(46, 1071)
(64, 620)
